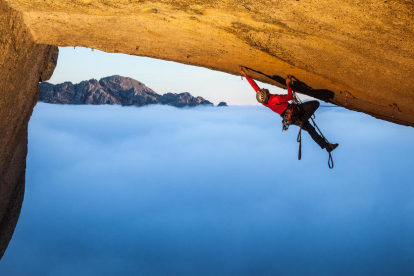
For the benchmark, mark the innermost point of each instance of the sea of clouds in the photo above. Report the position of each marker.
(159, 190)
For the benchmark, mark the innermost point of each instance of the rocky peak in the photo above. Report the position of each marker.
(113, 90)
(119, 83)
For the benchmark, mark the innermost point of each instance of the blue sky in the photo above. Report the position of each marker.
(79, 64)
(158, 190)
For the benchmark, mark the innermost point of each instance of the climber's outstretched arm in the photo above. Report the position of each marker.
(283, 98)
(253, 84)
(249, 79)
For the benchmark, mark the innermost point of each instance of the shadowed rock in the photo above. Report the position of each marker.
(22, 64)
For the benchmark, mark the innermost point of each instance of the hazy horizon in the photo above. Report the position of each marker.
(158, 190)
(80, 64)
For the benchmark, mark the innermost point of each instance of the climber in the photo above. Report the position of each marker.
(292, 113)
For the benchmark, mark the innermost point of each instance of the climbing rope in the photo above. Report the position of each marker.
(330, 161)
(299, 139)
(374, 114)
(330, 106)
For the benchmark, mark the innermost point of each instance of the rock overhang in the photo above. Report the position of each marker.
(356, 54)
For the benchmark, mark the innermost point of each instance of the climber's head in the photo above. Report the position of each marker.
(262, 96)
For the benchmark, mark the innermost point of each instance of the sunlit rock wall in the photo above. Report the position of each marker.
(22, 64)
(357, 54)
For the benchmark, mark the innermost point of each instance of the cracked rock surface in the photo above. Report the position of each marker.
(357, 54)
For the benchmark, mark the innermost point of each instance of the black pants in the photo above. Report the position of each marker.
(303, 114)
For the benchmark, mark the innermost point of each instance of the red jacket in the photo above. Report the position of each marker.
(277, 103)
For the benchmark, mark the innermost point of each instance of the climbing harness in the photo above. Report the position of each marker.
(287, 118)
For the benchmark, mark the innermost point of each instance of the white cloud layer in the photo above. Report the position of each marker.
(212, 191)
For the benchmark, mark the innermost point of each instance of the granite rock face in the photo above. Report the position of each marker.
(113, 90)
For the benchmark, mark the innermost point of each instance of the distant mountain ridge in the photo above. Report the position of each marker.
(113, 90)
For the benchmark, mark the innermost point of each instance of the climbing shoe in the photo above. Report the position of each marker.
(331, 147)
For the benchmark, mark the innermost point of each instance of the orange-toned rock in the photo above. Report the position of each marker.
(358, 54)
(22, 64)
